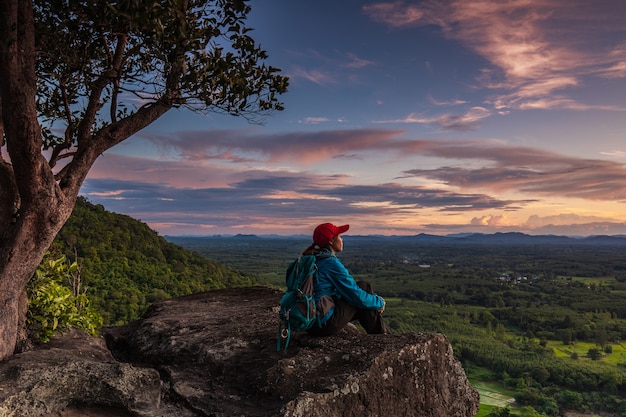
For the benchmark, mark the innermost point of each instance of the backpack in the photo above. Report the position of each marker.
(297, 306)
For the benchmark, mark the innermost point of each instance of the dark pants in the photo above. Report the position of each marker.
(371, 320)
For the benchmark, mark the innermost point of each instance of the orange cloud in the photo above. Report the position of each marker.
(491, 220)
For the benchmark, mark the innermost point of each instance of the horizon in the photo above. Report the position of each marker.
(347, 235)
(402, 117)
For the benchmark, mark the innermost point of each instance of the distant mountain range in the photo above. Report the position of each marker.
(521, 238)
(510, 238)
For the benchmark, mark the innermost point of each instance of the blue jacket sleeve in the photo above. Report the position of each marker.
(347, 288)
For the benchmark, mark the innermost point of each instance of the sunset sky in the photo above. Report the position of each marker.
(401, 118)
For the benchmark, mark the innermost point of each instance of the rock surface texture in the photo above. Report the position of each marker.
(214, 354)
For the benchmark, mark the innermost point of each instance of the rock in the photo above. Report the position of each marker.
(75, 369)
(214, 354)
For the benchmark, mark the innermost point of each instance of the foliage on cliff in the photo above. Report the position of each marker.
(56, 301)
(126, 266)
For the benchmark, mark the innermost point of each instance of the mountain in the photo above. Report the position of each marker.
(500, 238)
(509, 238)
(125, 266)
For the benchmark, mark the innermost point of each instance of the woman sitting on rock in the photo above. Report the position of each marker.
(339, 297)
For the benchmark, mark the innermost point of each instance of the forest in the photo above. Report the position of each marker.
(539, 321)
(125, 266)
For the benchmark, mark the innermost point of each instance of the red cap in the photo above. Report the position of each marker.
(325, 232)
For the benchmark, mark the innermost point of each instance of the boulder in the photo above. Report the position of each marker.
(76, 370)
(215, 354)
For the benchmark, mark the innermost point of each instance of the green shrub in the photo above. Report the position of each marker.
(54, 305)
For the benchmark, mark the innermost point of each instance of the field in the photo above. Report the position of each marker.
(493, 394)
(616, 356)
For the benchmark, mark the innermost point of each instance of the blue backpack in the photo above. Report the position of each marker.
(297, 306)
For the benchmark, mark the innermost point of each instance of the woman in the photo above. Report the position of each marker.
(339, 297)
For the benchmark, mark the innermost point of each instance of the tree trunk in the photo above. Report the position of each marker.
(20, 254)
(33, 208)
(24, 342)
(17, 268)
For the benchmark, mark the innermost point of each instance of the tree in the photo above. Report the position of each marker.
(500, 412)
(594, 354)
(500, 332)
(565, 335)
(75, 67)
(601, 338)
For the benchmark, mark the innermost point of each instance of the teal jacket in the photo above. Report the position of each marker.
(335, 282)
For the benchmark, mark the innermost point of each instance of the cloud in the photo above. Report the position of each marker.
(254, 197)
(614, 153)
(480, 165)
(175, 173)
(280, 194)
(491, 220)
(480, 226)
(583, 229)
(527, 170)
(356, 62)
(618, 70)
(327, 70)
(306, 147)
(188, 183)
(322, 78)
(454, 102)
(461, 122)
(314, 120)
(397, 14)
(536, 48)
(564, 219)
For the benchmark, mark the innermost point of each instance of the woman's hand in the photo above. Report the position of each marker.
(381, 310)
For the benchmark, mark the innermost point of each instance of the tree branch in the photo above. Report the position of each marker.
(69, 131)
(112, 73)
(71, 176)
(117, 64)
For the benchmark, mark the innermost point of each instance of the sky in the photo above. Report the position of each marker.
(402, 117)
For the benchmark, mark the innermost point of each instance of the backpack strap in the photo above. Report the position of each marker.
(283, 333)
(324, 253)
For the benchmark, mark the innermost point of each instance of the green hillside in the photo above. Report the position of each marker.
(126, 265)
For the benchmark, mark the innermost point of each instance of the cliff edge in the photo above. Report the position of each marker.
(214, 354)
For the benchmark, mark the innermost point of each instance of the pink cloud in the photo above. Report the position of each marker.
(175, 173)
(478, 165)
(527, 170)
(396, 14)
(306, 147)
(536, 47)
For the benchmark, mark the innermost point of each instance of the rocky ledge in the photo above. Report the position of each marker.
(214, 354)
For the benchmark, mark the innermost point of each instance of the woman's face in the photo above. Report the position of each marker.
(337, 244)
